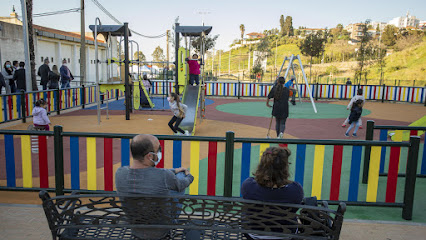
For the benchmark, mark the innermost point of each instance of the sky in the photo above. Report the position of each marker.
(155, 17)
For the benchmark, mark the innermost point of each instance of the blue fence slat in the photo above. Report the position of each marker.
(75, 163)
(125, 152)
(177, 154)
(383, 137)
(245, 161)
(300, 163)
(10, 160)
(423, 167)
(354, 175)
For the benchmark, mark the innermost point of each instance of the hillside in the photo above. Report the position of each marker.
(408, 64)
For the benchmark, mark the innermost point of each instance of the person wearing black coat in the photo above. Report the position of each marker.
(43, 72)
(2, 82)
(19, 78)
(280, 94)
(54, 77)
(354, 117)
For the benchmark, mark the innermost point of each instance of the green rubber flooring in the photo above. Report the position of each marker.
(353, 212)
(300, 110)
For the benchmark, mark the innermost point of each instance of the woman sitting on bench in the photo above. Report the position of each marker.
(271, 184)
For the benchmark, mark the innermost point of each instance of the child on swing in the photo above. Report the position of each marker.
(179, 110)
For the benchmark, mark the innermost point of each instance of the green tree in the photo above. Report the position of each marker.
(389, 35)
(313, 46)
(288, 26)
(364, 52)
(158, 55)
(209, 43)
(139, 56)
(242, 29)
(282, 26)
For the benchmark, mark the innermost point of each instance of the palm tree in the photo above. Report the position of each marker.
(31, 42)
(242, 29)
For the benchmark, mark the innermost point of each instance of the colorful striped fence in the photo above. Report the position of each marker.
(388, 162)
(12, 105)
(327, 169)
(320, 91)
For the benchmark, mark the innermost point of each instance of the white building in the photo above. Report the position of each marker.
(407, 21)
(55, 45)
(381, 25)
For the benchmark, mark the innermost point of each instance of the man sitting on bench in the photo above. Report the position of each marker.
(144, 178)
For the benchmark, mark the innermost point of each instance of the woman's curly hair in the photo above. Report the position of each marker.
(273, 169)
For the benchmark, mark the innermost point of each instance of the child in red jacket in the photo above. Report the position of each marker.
(194, 69)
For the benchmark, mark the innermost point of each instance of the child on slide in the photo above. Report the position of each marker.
(355, 117)
(194, 69)
(179, 110)
(353, 100)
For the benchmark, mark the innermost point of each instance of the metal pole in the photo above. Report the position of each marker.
(97, 91)
(307, 85)
(28, 81)
(82, 44)
(176, 59)
(229, 164)
(368, 137)
(59, 160)
(126, 69)
(410, 178)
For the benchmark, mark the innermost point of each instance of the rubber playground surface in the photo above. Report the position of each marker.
(247, 118)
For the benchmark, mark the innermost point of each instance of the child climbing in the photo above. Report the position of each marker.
(40, 118)
(179, 110)
(194, 70)
(353, 100)
(355, 117)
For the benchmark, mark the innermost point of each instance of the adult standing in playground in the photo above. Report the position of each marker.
(194, 69)
(19, 78)
(54, 76)
(8, 72)
(142, 177)
(43, 72)
(2, 82)
(290, 86)
(66, 75)
(280, 95)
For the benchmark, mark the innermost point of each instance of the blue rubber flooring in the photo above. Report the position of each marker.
(158, 102)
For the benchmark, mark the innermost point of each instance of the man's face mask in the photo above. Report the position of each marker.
(159, 156)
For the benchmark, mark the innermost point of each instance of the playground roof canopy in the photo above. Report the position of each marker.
(115, 30)
(193, 31)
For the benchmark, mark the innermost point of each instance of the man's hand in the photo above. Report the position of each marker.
(181, 169)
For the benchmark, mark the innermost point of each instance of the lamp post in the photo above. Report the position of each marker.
(98, 97)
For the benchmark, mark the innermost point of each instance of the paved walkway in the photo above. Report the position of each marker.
(28, 222)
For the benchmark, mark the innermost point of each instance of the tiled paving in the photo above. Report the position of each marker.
(28, 222)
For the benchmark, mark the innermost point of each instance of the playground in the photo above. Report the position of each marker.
(230, 127)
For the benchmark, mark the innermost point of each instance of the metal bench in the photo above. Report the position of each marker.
(111, 216)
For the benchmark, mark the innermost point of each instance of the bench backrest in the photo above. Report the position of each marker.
(232, 216)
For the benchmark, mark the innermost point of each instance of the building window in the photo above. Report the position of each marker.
(51, 59)
(41, 59)
(68, 60)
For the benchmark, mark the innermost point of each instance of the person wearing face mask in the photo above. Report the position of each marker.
(142, 177)
(66, 75)
(8, 73)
